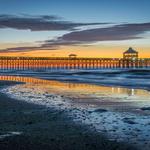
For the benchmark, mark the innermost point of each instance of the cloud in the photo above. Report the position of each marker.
(83, 37)
(114, 33)
(39, 23)
(27, 49)
(47, 45)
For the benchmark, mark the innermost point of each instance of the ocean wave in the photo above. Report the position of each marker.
(137, 78)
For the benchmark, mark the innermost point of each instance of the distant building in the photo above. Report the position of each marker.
(72, 56)
(130, 54)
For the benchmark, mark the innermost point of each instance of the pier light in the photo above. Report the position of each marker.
(132, 92)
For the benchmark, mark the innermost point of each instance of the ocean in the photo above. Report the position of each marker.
(131, 78)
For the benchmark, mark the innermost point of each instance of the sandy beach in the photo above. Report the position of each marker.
(25, 126)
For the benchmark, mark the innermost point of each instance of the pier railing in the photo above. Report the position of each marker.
(26, 63)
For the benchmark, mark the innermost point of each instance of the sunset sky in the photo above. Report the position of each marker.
(88, 28)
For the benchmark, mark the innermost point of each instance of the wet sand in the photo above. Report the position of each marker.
(25, 126)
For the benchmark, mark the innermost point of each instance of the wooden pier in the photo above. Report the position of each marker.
(26, 63)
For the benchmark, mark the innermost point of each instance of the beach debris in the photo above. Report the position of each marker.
(100, 110)
(9, 134)
(129, 120)
(145, 108)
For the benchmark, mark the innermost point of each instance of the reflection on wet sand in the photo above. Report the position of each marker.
(120, 113)
(79, 87)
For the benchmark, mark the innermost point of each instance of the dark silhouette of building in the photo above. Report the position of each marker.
(130, 54)
(72, 56)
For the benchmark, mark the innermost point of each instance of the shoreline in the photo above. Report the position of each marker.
(45, 128)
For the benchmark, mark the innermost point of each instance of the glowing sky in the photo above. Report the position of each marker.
(89, 28)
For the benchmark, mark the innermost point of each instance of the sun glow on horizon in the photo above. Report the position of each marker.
(80, 51)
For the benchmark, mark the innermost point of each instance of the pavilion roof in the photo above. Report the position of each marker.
(72, 55)
(130, 50)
